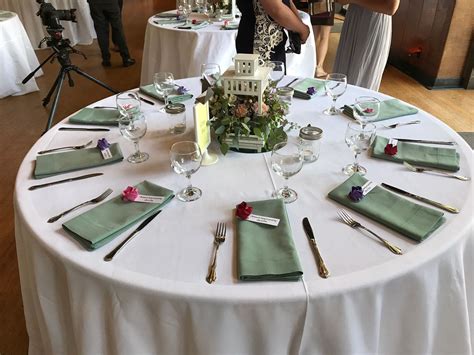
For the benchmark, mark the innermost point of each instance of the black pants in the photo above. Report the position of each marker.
(114, 39)
(105, 15)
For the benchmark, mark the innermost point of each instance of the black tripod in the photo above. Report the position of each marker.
(61, 50)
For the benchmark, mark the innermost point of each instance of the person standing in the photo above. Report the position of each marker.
(107, 13)
(365, 41)
(116, 48)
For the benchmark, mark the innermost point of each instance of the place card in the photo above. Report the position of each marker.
(244, 212)
(131, 194)
(104, 148)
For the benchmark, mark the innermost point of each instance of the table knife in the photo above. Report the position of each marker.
(84, 129)
(34, 187)
(422, 199)
(119, 247)
(291, 82)
(146, 100)
(425, 141)
(322, 269)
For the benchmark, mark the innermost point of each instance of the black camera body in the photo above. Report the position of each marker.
(50, 17)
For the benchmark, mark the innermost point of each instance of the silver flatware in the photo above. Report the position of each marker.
(84, 129)
(418, 169)
(106, 107)
(72, 147)
(119, 247)
(143, 99)
(291, 82)
(395, 125)
(422, 141)
(219, 238)
(98, 199)
(322, 269)
(347, 219)
(34, 187)
(422, 199)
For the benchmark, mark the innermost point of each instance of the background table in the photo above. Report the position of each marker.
(17, 57)
(153, 298)
(182, 52)
(81, 32)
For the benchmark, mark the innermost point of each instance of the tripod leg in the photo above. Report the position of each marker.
(38, 68)
(59, 85)
(53, 88)
(79, 71)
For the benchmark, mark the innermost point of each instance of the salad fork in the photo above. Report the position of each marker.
(395, 125)
(347, 219)
(74, 147)
(219, 238)
(421, 170)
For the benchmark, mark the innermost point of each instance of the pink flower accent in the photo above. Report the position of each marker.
(241, 111)
(130, 194)
(368, 110)
(265, 107)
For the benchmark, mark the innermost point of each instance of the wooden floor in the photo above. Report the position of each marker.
(22, 120)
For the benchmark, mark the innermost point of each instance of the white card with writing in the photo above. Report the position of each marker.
(106, 153)
(263, 219)
(149, 199)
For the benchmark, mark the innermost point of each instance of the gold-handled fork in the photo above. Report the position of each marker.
(219, 238)
(347, 219)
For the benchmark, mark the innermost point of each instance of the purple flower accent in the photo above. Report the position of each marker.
(102, 144)
(356, 194)
(181, 90)
(311, 90)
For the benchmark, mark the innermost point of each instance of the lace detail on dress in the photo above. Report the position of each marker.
(268, 34)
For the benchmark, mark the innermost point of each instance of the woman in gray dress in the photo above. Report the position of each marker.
(365, 41)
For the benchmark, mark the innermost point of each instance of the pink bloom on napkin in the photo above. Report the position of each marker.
(368, 110)
(130, 194)
(244, 210)
(390, 149)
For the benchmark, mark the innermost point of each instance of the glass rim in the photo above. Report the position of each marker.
(358, 126)
(176, 144)
(366, 98)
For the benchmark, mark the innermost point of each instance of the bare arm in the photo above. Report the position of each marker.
(388, 7)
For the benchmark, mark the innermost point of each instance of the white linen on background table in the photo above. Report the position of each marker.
(81, 32)
(17, 59)
(182, 52)
(153, 298)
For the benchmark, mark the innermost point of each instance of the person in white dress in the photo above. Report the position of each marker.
(365, 40)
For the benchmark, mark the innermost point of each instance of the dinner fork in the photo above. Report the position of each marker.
(395, 125)
(421, 170)
(219, 238)
(75, 147)
(98, 199)
(347, 219)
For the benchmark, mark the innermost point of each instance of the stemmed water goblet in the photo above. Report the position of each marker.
(186, 159)
(128, 103)
(287, 160)
(133, 128)
(164, 84)
(185, 9)
(335, 85)
(366, 109)
(358, 138)
(211, 72)
(277, 71)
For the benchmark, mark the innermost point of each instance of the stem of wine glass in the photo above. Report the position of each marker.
(190, 186)
(356, 161)
(137, 148)
(333, 107)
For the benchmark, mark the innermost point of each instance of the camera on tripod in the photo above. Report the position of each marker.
(50, 17)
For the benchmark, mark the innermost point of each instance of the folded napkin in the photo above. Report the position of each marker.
(418, 154)
(170, 21)
(415, 221)
(96, 116)
(59, 163)
(230, 26)
(173, 98)
(388, 109)
(168, 15)
(302, 87)
(194, 26)
(266, 252)
(103, 223)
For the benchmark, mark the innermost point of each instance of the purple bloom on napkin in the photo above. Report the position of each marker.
(311, 90)
(181, 90)
(356, 193)
(102, 144)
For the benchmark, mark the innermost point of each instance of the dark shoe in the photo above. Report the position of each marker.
(106, 63)
(128, 62)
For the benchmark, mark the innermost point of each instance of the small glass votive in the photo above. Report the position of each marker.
(176, 117)
(285, 94)
(310, 142)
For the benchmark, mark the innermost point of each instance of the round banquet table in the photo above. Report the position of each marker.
(17, 57)
(153, 297)
(182, 52)
(81, 32)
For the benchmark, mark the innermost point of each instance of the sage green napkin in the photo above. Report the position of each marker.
(388, 109)
(193, 26)
(103, 223)
(304, 85)
(266, 252)
(59, 163)
(415, 221)
(173, 98)
(418, 154)
(96, 116)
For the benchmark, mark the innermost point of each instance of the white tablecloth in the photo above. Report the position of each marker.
(153, 298)
(81, 32)
(17, 57)
(182, 52)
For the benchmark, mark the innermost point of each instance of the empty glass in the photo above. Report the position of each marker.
(335, 85)
(128, 103)
(164, 84)
(277, 72)
(211, 72)
(287, 160)
(185, 8)
(133, 128)
(366, 109)
(186, 159)
(358, 139)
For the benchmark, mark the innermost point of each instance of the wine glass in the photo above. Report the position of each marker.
(211, 72)
(186, 159)
(358, 139)
(287, 160)
(277, 72)
(366, 109)
(164, 84)
(133, 128)
(335, 85)
(184, 9)
(128, 103)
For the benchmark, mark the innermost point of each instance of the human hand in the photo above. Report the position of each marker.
(304, 34)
